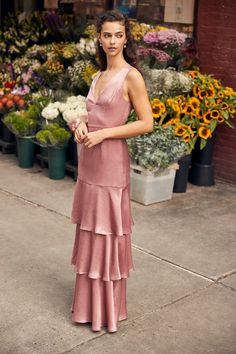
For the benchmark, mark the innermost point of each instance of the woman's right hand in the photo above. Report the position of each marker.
(81, 132)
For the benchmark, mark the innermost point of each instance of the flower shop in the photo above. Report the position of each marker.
(48, 61)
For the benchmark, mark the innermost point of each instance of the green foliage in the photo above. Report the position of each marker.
(21, 123)
(20, 31)
(157, 150)
(53, 135)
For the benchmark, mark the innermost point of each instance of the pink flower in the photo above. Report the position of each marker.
(171, 37)
(151, 37)
(160, 55)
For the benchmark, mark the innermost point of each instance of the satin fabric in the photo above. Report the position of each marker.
(102, 255)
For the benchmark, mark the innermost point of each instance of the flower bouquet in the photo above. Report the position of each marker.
(162, 48)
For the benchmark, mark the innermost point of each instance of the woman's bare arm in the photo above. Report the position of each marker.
(138, 95)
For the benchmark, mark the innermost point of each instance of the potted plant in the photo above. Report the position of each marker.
(154, 156)
(55, 138)
(216, 105)
(24, 125)
(68, 114)
(168, 89)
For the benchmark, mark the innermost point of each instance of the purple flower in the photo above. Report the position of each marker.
(151, 37)
(159, 55)
(171, 37)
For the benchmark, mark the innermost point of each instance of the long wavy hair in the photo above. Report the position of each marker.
(129, 51)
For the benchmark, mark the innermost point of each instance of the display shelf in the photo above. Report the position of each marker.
(7, 148)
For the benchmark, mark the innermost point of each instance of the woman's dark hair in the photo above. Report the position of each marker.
(129, 51)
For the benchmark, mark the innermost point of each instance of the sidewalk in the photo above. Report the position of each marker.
(181, 297)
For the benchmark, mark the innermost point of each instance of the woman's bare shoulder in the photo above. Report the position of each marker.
(134, 77)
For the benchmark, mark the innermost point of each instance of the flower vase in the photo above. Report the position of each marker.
(56, 162)
(25, 152)
(202, 168)
(181, 176)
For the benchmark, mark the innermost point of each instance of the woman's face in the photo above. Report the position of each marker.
(112, 37)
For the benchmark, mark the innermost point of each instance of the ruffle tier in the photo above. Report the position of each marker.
(102, 303)
(102, 265)
(102, 209)
(107, 257)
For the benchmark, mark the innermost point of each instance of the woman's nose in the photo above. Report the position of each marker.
(112, 39)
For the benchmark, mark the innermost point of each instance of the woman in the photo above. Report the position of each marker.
(101, 209)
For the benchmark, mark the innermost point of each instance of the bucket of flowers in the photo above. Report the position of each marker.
(23, 124)
(59, 119)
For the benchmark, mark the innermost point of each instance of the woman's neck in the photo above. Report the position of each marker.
(115, 63)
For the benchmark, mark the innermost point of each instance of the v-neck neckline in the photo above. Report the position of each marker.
(105, 87)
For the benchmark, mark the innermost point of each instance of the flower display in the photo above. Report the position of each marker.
(166, 82)
(11, 102)
(157, 150)
(87, 46)
(52, 135)
(138, 30)
(81, 74)
(198, 113)
(72, 111)
(163, 47)
(23, 123)
(90, 31)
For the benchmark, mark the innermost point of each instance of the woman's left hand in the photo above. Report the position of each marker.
(94, 138)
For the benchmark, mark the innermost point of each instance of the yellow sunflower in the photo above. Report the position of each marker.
(194, 102)
(196, 89)
(220, 119)
(186, 137)
(180, 130)
(224, 105)
(202, 94)
(158, 108)
(204, 133)
(221, 94)
(183, 107)
(214, 114)
(207, 117)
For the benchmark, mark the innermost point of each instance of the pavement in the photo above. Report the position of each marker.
(181, 296)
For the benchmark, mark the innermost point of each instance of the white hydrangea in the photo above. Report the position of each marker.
(87, 46)
(50, 112)
(71, 110)
(76, 107)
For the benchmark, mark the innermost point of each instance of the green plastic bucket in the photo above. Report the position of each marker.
(56, 162)
(25, 152)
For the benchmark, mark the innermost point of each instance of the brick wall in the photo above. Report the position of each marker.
(216, 44)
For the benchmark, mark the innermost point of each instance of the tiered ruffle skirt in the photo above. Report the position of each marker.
(102, 255)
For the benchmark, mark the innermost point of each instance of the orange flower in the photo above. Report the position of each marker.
(210, 92)
(214, 114)
(221, 94)
(183, 107)
(225, 105)
(194, 102)
(232, 110)
(220, 119)
(196, 89)
(179, 131)
(202, 94)
(217, 84)
(207, 117)
(204, 133)
(193, 73)
(186, 137)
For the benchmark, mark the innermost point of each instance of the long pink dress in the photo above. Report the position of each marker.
(101, 210)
